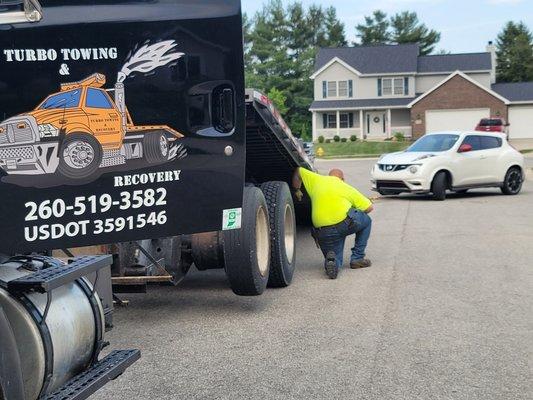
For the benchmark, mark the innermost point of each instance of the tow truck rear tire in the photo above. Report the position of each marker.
(80, 156)
(156, 147)
(247, 250)
(282, 233)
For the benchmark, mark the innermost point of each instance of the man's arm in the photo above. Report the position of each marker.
(359, 201)
(297, 184)
(296, 179)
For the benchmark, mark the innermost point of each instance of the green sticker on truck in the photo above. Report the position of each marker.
(232, 219)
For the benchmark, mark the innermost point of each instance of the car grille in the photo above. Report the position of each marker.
(391, 185)
(393, 167)
(25, 152)
(16, 132)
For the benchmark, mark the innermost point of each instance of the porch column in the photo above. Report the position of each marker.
(361, 125)
(314, 133)
(338, 123)
(389, 123)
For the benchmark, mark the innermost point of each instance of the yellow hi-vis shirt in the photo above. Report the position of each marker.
(331, 198)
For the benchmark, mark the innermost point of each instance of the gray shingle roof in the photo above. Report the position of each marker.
(518, 91)
(373, 59)
(382, 59)
(453, 62)
(336, 104)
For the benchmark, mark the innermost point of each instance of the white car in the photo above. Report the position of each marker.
(456, 161)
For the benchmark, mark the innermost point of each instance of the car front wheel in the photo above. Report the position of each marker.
(513, 182)
(439, 186)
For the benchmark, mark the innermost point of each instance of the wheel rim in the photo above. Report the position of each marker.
(289, 233)
(163, 145)
(262, 238)
(79, 154)
(514, 181)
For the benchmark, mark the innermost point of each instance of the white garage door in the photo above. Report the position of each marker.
(521, 120)
(454, 120)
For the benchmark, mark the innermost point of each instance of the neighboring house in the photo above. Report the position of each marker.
(374, 92)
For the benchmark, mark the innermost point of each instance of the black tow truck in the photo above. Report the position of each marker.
(130, 148)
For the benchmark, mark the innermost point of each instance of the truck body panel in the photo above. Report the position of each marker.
(195, 90)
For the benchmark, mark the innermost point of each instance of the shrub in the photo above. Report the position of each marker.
(353, 138)
(328, 140)
(321, 139)
(344, 140)
(336, 138)
(399, 136)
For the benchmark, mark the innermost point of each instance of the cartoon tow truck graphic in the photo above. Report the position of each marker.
(81, 129)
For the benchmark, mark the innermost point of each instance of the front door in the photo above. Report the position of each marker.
(376, 123)
(474, 167)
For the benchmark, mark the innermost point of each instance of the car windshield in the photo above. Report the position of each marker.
(434, 143)
(68, 99)
(491, 122)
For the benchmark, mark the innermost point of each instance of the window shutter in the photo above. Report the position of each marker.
(380, 85)
(350, 120)
(406, 86)
(324, 89)
(325, 120)
(350, 88)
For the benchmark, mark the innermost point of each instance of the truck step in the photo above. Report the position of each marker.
(49, 279)
(105, 370)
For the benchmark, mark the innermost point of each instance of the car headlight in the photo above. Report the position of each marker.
(48, 130)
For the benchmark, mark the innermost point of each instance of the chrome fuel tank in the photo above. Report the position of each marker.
(55, 349)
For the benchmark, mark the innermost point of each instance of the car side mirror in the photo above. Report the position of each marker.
(465, 148)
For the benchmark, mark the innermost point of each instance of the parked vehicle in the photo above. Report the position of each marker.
(202, 176)
(494, 124)
(456, 161)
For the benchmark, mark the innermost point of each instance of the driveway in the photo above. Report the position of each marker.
(444, 313)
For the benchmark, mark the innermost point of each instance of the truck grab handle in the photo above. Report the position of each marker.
(32, 12)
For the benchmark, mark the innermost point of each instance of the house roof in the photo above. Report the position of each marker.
(363, 103)
(453, 62)
(516, 91)
(372, 59)
(398, 59)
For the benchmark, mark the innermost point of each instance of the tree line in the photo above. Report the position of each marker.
(281, 43)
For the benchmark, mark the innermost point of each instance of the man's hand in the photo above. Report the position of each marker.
(299, 195)
(369, 209)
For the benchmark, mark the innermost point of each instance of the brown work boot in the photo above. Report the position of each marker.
(363, 263)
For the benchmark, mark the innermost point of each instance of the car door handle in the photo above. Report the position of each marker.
(31, 12)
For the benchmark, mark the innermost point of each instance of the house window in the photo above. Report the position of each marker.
(332, 89)
(398, 86)
(343, 88)
(392, 86)
(330, 121)
(346, 120)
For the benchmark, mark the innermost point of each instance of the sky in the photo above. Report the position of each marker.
(465, 25)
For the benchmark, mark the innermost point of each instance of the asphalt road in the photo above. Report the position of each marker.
(446, 312)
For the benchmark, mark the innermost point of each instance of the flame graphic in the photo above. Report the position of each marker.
(148, 58)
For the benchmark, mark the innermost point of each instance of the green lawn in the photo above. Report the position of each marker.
(359, 149)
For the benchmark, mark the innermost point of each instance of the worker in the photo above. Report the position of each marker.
(338, 210)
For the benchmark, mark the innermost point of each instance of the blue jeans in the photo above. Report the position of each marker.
(333, 238)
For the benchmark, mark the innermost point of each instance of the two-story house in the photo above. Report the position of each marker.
(374, 92)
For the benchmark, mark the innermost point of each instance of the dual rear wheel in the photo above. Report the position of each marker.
(262, 252)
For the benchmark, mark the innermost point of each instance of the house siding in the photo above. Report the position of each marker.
(335, 72)
(457, 93)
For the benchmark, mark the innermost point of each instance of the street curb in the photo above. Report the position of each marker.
(348, 159)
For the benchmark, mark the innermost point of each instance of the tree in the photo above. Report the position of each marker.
(282, 45)
(278, 98)
(375, 30)
(515, 53)
(406, 28)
